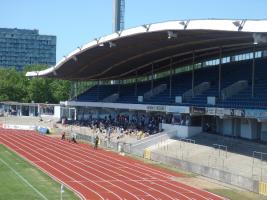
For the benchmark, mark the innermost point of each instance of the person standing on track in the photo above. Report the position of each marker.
(96, 142)
(63, 135)
(73, 137)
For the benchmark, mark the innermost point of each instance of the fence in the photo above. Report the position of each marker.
(217, 174)
(259, 165)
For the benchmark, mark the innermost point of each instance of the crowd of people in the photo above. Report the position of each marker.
(116, 127)
(122, 125)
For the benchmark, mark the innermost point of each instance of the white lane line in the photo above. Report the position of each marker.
(46, 143)
(48, 173)
(61, 156)
(12, 144)
(150, 175)
(60, 149)
(24, 180)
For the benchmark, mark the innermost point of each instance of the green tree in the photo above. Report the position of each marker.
(46, 89)
(15, 86)
(60, 90)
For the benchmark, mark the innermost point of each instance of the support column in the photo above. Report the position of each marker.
(83, 86)
(75, 90)
(71, 91)
(97, 98)
(152, 78)
(253, 73)
(135, 89)
(171, 77)
(119, 86)
(193, 74)
(78, 87)
(220, 73)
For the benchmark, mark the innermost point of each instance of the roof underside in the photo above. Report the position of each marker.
(134, 51)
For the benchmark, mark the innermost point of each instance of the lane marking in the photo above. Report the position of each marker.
(44, 140)
(23, 179)
(28, 152)
(120, 161)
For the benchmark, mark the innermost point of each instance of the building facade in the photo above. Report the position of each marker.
(21, 47)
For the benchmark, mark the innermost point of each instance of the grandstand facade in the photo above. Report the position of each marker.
(208, 75)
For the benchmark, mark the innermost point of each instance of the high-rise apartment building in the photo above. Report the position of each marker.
(21, 47)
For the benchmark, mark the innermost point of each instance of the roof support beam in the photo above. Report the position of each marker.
(183, 54)
(180, 45)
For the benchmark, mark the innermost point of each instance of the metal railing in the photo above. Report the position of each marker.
(259, 163)
(222, 149)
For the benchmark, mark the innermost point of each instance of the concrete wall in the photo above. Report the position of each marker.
(182, 131)
(19, 127)
(57, 112)
(220, 175)
(139, 147)
(263, 135)
(237, 127)
(249, 129)
(227, 128)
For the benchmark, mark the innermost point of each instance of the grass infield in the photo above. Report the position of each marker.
(21, 180)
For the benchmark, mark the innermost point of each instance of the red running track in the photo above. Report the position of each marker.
(99, 174)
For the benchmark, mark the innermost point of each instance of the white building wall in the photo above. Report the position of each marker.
(57, 112)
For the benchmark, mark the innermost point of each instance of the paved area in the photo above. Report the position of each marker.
(233, 155)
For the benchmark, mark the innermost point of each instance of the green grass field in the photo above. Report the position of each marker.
(21, 180)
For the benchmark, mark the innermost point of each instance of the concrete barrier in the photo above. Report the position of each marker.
(139, 147)
(217, 174)
(19, 127)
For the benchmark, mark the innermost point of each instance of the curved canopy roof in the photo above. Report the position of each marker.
(133, 51)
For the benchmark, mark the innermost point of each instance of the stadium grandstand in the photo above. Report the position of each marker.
(208, 75)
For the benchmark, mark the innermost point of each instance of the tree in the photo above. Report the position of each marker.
(15, 86)
(12, 85)
(49, 90)
(60, 90)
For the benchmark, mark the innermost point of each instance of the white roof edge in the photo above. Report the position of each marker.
(238, 25)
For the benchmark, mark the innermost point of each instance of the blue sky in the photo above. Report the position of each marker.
(76, 22)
